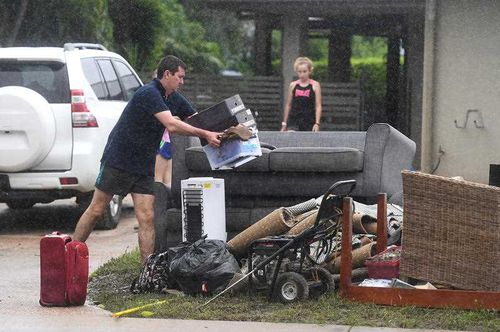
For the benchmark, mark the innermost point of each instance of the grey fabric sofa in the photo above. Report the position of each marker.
(294, 167)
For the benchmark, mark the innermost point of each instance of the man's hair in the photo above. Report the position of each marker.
(170, 63)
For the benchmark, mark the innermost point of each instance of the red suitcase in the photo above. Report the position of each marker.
(64, 270)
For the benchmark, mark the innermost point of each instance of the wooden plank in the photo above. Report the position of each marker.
(335, 93)
(341, 128)
(339, 124)
(341, 89)
(269, 104)
(268, 112)
(341, 113)
(271, 121)
(336, 106)
(340, 101)
(261, 97)
(427, 298)
(340, 84)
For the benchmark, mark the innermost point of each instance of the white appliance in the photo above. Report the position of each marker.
(203, 209)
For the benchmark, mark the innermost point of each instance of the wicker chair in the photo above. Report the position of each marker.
(451, 232)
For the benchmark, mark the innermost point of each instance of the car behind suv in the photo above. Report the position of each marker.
(57, 108)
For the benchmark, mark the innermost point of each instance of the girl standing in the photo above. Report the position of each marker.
(303, 106)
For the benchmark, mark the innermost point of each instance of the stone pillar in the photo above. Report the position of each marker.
(429, 51)
(339, 54)
(393, 73)
(293, 44)
(263, 34)
(415, 59)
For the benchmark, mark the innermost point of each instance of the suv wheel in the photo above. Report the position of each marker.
(15, 205)
(111, 216)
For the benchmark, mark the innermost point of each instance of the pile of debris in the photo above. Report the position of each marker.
(293, 253)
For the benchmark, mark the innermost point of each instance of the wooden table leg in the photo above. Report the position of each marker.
(381, 222)
(346, 253)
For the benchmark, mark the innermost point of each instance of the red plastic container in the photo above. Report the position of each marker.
(64, 270)
(384, 269)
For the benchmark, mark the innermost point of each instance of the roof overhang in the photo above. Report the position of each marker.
(321, 7)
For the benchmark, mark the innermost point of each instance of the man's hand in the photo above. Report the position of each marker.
(213, 138)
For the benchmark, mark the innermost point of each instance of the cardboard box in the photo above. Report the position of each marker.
(235, 152)
(229, 112)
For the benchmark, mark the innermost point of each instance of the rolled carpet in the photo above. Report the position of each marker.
(276, 223)
(358, 258)
(304, 221)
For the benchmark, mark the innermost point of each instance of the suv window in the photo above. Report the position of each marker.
(114, 88)
(50, 79)
(129, 81)
(94, 77)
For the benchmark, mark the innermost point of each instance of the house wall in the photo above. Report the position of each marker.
(466, 76)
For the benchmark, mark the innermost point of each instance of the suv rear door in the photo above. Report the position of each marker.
(129, 81)
(35, 116)
(113, 83)
(106, 111)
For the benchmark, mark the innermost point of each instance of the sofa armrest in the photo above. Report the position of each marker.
(180, 172)
(387, 152)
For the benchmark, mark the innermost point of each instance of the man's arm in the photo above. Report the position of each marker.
(176, 126)
(180, 103)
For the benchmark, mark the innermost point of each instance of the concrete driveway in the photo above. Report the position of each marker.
(20, 233)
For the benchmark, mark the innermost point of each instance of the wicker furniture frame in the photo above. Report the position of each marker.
(432, 298)
(451, 232)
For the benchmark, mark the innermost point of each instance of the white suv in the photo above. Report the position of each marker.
(57, 108)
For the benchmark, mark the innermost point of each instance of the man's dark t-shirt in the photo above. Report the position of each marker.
(134, 141)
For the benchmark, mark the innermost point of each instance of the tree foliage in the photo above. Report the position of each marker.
(140, 30)
(369, 47)
(186, 39)
(226, 29)
(54, 22)
(137, 30)
(144, 30)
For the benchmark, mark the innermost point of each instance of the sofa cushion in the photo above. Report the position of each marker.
(196, 160)
(259, 164)
(316, 159)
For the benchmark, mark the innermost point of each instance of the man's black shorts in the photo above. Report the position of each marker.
(119, 182)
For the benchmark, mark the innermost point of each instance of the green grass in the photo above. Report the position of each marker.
(109, 288)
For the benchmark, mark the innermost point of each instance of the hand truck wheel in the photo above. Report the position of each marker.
(320, 274)
(291, 287)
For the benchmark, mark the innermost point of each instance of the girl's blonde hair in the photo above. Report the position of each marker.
(303, 61)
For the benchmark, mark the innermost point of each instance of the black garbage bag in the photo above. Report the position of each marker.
(206, 267)
(155, 274)
(154, 277)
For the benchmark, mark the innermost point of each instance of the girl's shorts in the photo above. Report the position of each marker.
(165, 150)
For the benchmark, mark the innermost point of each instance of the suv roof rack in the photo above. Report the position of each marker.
(84, 46)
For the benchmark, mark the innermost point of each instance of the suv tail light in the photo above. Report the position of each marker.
(67, 181)
(80, 114)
